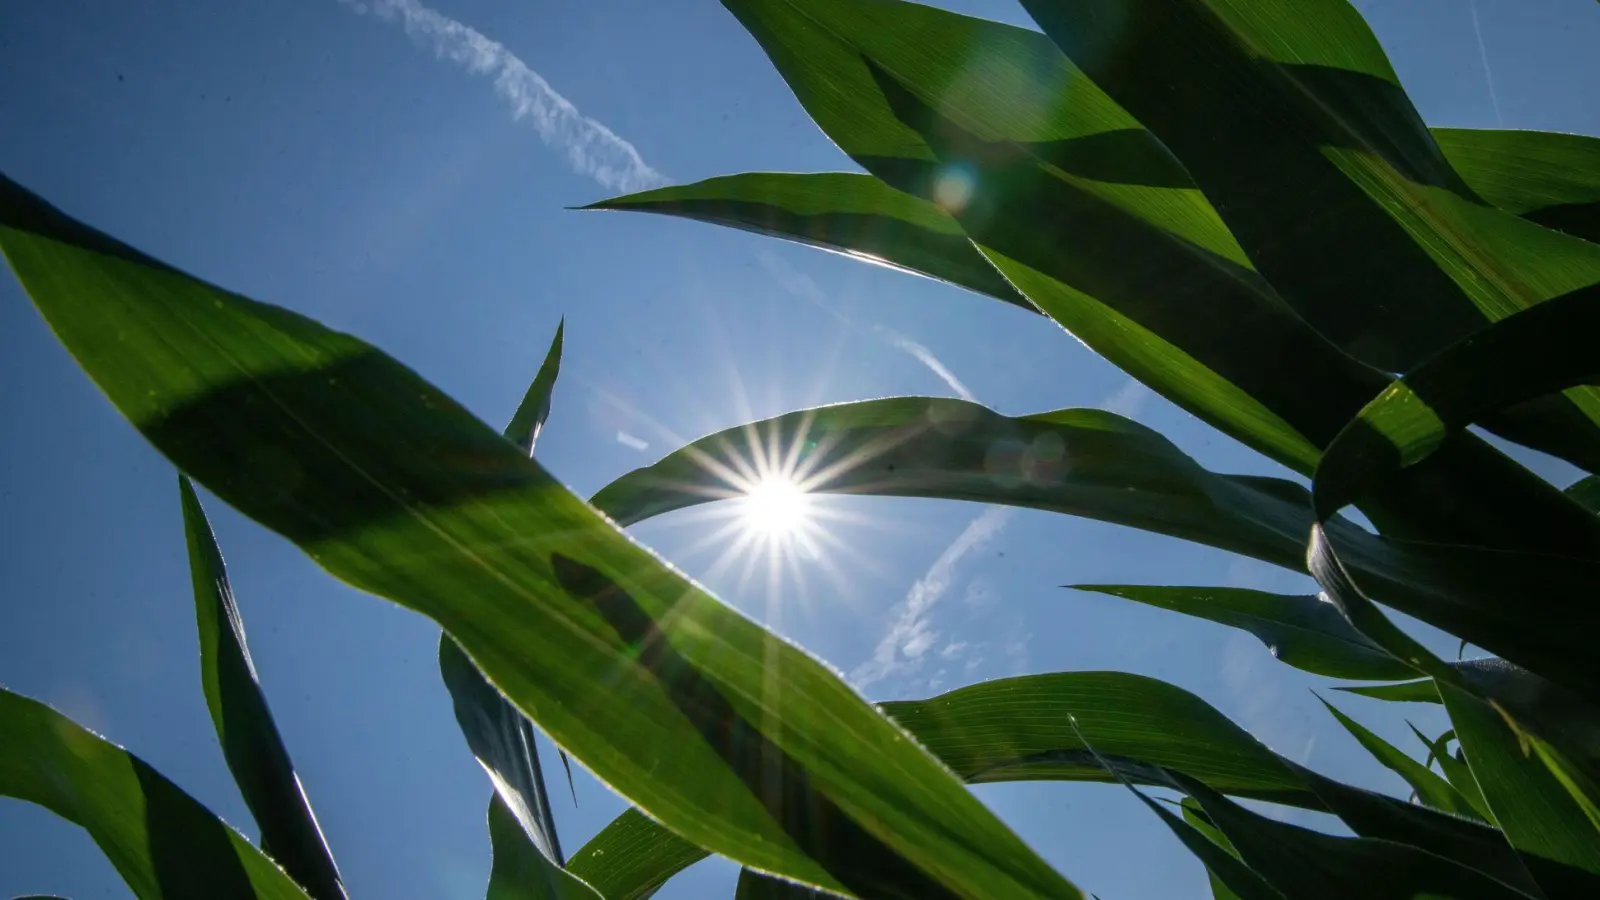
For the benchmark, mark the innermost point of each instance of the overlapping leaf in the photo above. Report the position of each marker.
(1552, 179)
(522, 870)
(1431, 789)
(254, 750)
(396, 489)
(632, 856)
(163, 843)
(1288, 115)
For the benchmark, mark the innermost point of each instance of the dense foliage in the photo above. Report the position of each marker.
(1232, 200)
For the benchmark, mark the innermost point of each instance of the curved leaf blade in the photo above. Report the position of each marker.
(521, 869)
(163, 843)
(396, 489)
(1277, 108)
(1403, 692)
(756, 886)
(1549, 178)
(1076, 461)
(249, 737)
(846, 212)
(632, 856)
(1306, 632)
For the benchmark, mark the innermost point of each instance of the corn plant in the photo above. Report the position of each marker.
(1232, 200)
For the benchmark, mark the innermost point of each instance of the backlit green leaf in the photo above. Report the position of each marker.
(163, 843)
(396, 489)
(522, 871)
(1431, 789)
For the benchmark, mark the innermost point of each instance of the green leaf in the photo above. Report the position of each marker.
(632, 856)
(756, 886)
(1404, 692)
(1306, 632)
(163, 843)
(1196, 819)
(250, 741)
(1532, 807)
(1431, 789)
(502, 740)
(1027, 729)
(1526, 355)
(1133, 248)
(529, 418)
(1457, 771)
(1552, 179)
(850, 213)
(1307, 864)
(522, 870)
(396, 489)
(1277, 107)
(1586, 493)
(1077, 461)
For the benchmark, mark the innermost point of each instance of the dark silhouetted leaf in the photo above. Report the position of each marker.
(250, 741)
(1306, 632)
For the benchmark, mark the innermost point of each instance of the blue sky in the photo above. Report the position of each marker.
(314, 154)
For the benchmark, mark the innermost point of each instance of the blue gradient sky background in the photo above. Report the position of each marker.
(307, 154)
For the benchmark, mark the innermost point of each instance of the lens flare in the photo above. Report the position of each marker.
(776, 507)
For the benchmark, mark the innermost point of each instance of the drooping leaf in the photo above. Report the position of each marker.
(529, 418)
(847, 212)
(254, 750)
(1078, 461)
(502, 740)
(1431, 789)
(1230, 878)
(1083, 462)
(163, 843)
(1084, 213)
(1287, 114)
(756, 886)
(1306, 632)
(522, 871)
(1552, 179)
(1027, 728)
(393, 487)
(632, 856)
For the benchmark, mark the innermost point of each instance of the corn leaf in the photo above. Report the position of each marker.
(1457, 772)
(631, 857)
(1306, 632)
(1278, 108)
(1076, 461)
(1552, 179)
(846, 212)
(396, 489)
(1402, 692)
(522, 870)
(1195, 818)
(756, 886)
(1431, 789)
(163, 843)
(250, 741)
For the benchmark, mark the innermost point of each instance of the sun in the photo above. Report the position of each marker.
(776, 507)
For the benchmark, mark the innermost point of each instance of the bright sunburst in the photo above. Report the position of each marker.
(776, 507)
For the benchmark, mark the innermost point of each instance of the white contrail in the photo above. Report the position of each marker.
(903, 646)
(925, 356)
(1483, 53)
(591, 148)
